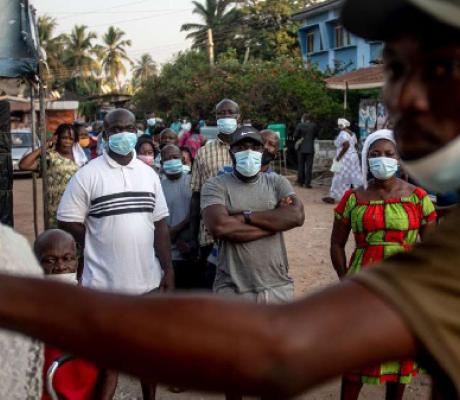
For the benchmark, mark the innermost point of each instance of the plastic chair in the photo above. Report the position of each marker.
(59, 362)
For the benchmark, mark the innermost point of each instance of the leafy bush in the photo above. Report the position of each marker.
(277, 91)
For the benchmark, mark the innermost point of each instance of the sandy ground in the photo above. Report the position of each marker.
(308, 249)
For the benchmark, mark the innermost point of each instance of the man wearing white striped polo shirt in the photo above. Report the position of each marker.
(115, 209)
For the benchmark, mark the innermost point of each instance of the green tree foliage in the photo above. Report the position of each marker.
(267, 29)
(53, 46)
(144, 69)
(218, 15)
(267, 91)
(79, 61)
(114, 56)
(79, 53)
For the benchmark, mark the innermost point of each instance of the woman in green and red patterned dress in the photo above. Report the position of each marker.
(387, 216)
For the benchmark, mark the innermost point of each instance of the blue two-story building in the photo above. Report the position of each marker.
(326, 44)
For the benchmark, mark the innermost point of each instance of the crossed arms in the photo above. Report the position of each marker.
(289, 214)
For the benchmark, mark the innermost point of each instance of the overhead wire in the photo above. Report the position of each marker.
(108, 8)
(136, 19)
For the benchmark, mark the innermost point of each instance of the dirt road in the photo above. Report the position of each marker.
(308, 249)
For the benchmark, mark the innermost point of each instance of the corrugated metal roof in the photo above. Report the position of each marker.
(364, 78)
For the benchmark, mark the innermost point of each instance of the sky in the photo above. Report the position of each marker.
(153, 26)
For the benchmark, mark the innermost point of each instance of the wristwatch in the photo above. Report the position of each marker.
(247, 216)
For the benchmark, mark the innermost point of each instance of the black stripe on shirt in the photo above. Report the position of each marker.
(122, 211)
(121, 195)
(119, 206)
(126, 202)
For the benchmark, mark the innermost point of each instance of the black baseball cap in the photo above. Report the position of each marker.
(374, 19)
(246, 132)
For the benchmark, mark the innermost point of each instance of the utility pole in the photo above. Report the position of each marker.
(33, 122)
(210, 47)
(43, 138)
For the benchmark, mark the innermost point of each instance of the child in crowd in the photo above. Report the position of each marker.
(178, 194)
(187, 159)
(145, 150)
(77, 379)
(167, 136)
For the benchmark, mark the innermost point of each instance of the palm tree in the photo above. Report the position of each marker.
(52, 45)
(144, 69)
(79, 53)
(114, 55)
(218, 16)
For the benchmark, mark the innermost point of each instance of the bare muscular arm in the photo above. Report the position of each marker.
(273, 351)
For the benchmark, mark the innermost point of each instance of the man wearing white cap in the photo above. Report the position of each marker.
(346, 168)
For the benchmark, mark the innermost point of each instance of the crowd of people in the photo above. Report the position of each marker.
(143, 225)
(145, 221)
(155, 210)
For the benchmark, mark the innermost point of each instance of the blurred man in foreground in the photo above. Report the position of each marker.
(409, 308)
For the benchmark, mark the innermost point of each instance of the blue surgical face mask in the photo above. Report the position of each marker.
(173, 167)
(383, 168)
(227, 125)
(122, 143)
(438, 171)
(248, 162)
(186, 168)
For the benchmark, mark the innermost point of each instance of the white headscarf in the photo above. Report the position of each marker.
(79, 155)
(383, 134)
(342, 122)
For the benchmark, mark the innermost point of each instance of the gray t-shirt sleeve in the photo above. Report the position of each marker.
(283, 187)
(213, 193)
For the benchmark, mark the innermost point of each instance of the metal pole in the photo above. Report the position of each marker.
(34, 174)
(345, 97)
(43, 136)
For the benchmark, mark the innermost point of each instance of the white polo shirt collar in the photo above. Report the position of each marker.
(112, 163)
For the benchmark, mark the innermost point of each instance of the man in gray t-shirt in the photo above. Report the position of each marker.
(247, 211)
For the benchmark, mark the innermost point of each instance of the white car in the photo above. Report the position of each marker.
(21, 144)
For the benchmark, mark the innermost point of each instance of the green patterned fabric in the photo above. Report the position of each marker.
(60, 171)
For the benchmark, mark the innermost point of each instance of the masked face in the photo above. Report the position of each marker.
(383, 168)
(227, 126)
(422, 93)
(69, 278)
(146, 159)
(440, 171)
(84, 142)
(248, 162)
(173, 167)
(122, 143)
